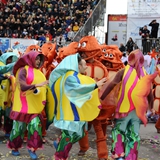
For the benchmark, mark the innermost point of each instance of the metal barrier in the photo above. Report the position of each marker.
(96, 18)
(148, 44)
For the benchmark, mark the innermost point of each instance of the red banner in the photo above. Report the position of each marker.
(117, 18)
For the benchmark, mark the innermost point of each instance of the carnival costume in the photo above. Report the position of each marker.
(6, 89)
(130, 92)
(35, 48)
(49, 50)
(76, 102)
(90, 49)
(28, 103)
(65, 51)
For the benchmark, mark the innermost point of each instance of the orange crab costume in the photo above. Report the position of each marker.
(49, 50)
(89, 49)
(33, 48)
(111, 58)
(72, 48)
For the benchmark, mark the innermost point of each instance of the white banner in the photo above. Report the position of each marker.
(117, 29)
(134, 24)
(140, 13)
(143, 8)
(22, 44)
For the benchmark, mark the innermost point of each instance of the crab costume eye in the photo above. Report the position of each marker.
(36, 91)
(79, 45)
(106, 55)
(104, 50)
(110, 55)
(84, 44)
(33, 49)
(39, 49)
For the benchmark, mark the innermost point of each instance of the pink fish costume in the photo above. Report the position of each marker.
(29, 100)
(130, 92)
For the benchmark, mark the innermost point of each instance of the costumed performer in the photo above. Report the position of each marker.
(130, 91)
(89, 49)
(7, 61)
(76, 101)
(30, 98)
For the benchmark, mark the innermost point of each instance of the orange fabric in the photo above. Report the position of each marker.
(157, 125)
(49, 50)
(100, 130)
(84, 142)
(99, 64)
(72, 48)
(90, 46)
(153, 54)
(33, 48)
(111, 57)
(89, 49)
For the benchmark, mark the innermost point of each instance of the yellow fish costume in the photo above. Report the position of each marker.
(76, 101)
(132, 97)
(7, 61)
(28, 102)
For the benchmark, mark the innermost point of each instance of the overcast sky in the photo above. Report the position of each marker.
(117, 6)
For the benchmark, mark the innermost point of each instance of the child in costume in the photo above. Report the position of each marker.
(30, 98)
(76, 101)
(130, 91)
(7, 61)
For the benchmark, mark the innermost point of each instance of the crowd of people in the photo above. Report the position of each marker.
(44, 20)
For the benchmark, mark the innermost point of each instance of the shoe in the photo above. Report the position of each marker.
(32, 155)
(15, 153)
(43, 140)
(55, 144)
(7, 135)
(120, 158)
(81, 153)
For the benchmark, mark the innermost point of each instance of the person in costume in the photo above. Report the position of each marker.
(49, 50)
(38, 49)
(130, 92)
(30, 98)
(72, 48)
(7, 61)
(76, 102)
(156, 104)
(89, 50)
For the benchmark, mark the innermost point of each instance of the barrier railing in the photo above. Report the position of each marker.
(148, 44)
(96, 18)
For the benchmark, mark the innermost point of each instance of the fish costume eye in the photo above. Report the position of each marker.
(36, 91)
(3, 87)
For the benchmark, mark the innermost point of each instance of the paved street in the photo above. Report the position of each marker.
(149, 149)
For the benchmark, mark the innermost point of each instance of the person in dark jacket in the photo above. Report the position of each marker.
(129, 45)
(122, 48)
(154, 29)
(144, 33)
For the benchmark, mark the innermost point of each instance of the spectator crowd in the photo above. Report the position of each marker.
(44, 20)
